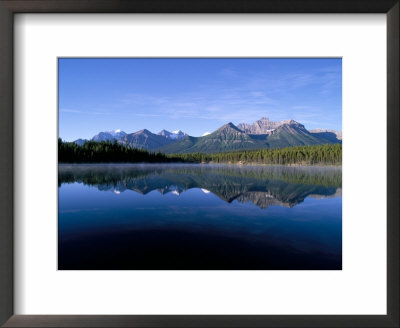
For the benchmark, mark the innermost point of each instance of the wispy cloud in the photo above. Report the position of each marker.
(140, 98)
(207, 102)
(76, 111)
(228, 72)
(249, 98)
(70, 111)
(147, 115)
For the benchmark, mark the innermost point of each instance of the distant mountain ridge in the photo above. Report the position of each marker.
(144, 139)
(141, 139)
(80, 142)
(109, 135)
(338, 134)
(226, 138)
(174, 135)
(229, 137)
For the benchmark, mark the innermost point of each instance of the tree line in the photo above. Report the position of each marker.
(106, 152)
(329, 154)
(113, 152)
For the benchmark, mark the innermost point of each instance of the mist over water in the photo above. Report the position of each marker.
(187, 216)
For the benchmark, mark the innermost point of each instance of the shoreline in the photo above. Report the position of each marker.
(239, 164)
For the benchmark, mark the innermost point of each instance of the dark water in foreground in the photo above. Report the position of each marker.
(116, 217)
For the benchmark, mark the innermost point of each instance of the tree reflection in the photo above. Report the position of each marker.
(261, 185)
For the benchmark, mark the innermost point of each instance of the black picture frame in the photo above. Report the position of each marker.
(10, 7)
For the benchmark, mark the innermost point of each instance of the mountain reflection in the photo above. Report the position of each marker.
(261, 185)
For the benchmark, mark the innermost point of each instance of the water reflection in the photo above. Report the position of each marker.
(200, 217)
(261, 185)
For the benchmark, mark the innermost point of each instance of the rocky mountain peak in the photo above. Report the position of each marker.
(164, 133)
(261, 126)
(228, 126)
(175, 135)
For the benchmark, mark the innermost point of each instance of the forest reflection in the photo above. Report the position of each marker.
(261, 185)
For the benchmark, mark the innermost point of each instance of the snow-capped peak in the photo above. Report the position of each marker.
(174, 135)
(205, 134)
(117, 133)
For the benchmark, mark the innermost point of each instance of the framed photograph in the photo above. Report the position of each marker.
(202, 164)
(206, 193)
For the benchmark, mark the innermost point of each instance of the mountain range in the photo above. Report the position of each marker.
(229, 137)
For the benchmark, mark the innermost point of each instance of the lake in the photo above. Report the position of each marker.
(199, 217)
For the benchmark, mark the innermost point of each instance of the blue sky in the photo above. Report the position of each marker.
(195, 95)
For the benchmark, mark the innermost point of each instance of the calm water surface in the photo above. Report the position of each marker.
(164, 216)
